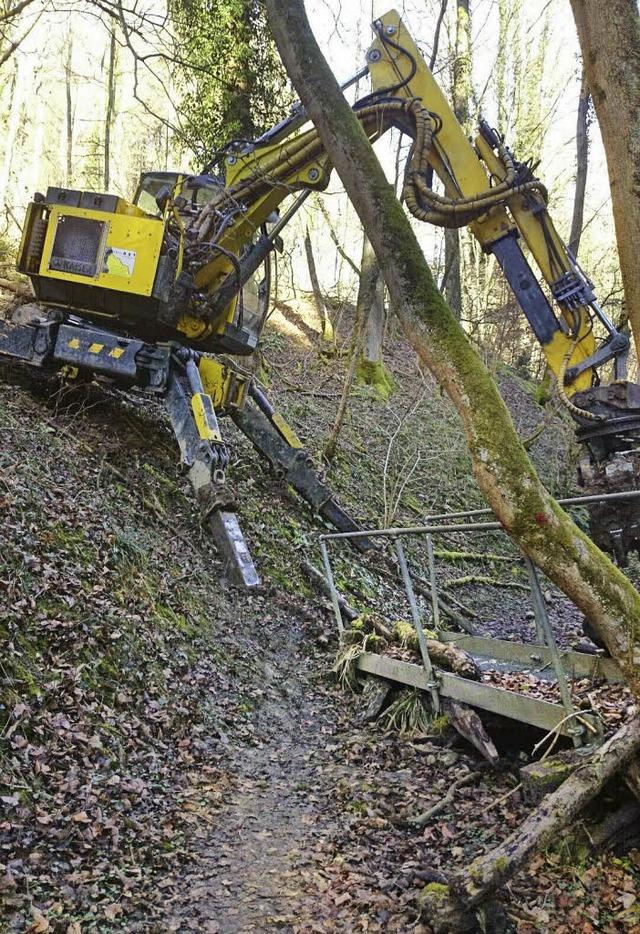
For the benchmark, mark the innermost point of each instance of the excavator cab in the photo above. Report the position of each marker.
(155, 189)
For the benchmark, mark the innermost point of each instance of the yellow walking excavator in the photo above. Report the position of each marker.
(160, 291)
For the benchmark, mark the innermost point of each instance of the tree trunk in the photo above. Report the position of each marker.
(460, 99)
(331, 446)
(500, 464)
(582, 152)
(452, 280)
(609, 35)
(68, 72)
(111, 108)
(321, 308)
(370, 368)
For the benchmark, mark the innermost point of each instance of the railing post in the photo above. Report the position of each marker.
(432, 683)
(543, 626)
(432, 577)
(331, 585)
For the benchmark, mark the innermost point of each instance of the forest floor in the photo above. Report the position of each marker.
(176, 755)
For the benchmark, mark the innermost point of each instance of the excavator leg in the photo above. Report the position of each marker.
(277, 442)
(204, 456)
(50, 341)
(194, 387)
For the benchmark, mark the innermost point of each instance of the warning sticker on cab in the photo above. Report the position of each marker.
(119, 262)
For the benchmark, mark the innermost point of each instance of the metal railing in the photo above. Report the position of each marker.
(435, 525)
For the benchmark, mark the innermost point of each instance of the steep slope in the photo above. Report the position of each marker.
(174, 757)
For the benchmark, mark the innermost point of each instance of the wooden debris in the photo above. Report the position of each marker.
(616, 828)
(379, 691)
(19, 288)
(632, 778)
(421, 819)
(474, 885)
(469, 725)
(445, 655)
(318, 578)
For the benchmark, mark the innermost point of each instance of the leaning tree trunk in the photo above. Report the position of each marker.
(582, 165)
(609, 35)
(500, 464)
(321, 308)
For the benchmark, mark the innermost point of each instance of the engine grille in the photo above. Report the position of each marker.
(77, 245)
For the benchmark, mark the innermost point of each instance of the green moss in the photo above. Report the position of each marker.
(439, 725)
(376, 643)
(501, 864)
(405, 634)
(544, 391)
(377, 376)
(358, 807)
(436, 892)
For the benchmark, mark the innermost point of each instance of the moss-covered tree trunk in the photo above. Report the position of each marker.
(370, 368)
(503, 471)
(609, 35)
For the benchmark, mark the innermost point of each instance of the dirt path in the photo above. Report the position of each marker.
(257, 867)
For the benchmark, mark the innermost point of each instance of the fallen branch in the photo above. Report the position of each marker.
(483, 579)
(19, 288)
(426, 816)
(424, 589)
(445, 655)
(472, 556)
(450, 908)
(318, 578)
(490, 871)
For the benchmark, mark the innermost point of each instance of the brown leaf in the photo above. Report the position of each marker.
(40, 923)
(81, 818)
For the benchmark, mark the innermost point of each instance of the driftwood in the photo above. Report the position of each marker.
(449, 908)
